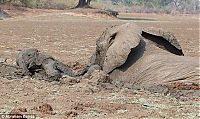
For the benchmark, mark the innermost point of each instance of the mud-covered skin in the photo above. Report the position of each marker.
(114, 45)
(144, 60)
(163, 39)
(9, 71)
(26, 59)
(33, 61)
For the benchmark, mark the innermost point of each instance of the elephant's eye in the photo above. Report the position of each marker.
(112, 39)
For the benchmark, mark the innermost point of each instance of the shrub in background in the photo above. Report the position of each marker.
(147, 6)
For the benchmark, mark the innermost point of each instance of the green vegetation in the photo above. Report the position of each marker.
(156, 6)
(183, 6)
(45, 4)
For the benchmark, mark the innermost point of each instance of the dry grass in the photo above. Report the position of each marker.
(108, 5)
(68, 3)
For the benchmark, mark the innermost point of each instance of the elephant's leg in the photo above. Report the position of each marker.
(51, 72)
(24, 67)
(66, 70)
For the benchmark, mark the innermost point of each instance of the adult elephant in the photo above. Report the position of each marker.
(146, 59)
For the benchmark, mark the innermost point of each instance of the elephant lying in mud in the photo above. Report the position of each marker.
(135, 57)
(33, 61)
(145, 59)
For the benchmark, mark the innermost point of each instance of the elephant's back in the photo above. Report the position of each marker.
(159, 69)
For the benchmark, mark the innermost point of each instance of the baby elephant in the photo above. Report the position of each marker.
(33, 61)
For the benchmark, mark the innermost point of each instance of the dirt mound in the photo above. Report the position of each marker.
(110, 13)
(44, 108)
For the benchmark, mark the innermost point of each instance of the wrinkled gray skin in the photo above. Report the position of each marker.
(32, 61)
(144, 62)
(113, 47)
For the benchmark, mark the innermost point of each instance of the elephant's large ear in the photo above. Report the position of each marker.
(126, 37)
(163, 39)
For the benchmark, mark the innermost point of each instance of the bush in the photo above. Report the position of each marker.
(161, 6)
(49, 5)
(147, 6)
(45, 4)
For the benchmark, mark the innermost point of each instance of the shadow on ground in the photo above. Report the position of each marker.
(135, 19)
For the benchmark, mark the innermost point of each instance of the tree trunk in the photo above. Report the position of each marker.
(83, 4)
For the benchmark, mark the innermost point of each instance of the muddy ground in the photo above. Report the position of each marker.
(71, 37)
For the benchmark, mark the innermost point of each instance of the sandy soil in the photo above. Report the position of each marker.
(71, 37)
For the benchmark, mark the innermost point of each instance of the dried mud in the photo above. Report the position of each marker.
(72, 39)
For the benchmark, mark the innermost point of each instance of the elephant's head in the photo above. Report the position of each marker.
(27, 58)
(115, 44)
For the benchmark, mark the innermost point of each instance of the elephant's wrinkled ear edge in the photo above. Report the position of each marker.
(164, 40)
(132, 43)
